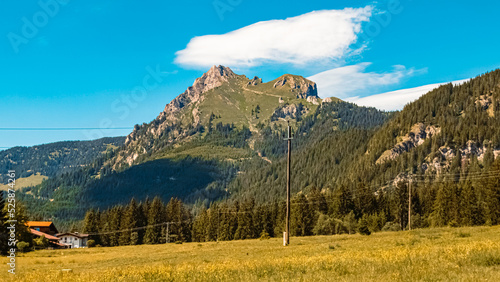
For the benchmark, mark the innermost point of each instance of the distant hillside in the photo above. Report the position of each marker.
(54, 159)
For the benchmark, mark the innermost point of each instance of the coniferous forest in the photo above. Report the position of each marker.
(451, 200)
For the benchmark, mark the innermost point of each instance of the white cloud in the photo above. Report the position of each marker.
(317, 37)
(352, 80)
(396, 100)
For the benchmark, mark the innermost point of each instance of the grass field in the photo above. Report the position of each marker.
(31, 180)
(450, 254)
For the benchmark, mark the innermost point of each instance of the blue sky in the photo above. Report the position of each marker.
(71, 63)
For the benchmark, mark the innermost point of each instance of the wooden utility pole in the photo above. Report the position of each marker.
(286, 239)
(409, 204)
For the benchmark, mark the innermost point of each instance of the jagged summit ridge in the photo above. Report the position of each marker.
(304, 87)
(213, 78)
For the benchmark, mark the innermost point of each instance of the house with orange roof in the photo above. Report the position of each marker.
(46, 229)
(43, 226)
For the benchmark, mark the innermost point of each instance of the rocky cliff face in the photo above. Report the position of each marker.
(213, 78)
(301, 86)
(416, 137)
(255, 81)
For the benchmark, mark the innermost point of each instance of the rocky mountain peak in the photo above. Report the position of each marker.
(255, 81)
(302, 86)
(220, 71)
(213, 78)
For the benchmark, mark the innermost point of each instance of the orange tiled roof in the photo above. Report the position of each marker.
(38, 233)
(39, 223)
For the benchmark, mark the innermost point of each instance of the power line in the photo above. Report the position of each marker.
(138, 228)
(59, 128)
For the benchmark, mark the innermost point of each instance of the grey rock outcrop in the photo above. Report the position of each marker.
(299, 85)
(255, 81)
(416, 137)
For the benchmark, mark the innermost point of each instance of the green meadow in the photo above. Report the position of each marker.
(439, 254)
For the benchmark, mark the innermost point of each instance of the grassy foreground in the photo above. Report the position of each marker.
(453, 254)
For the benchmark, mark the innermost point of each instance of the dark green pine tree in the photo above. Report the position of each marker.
(91, 225)
(341, 202)
(3, 226)
(442, 214)
(174, 216)
(318, 201)
(364, 199)
(213, 223)
(245, 228)
(142, 221)
(488, 158)
(492, 195)
(263, 221)
(114, 219)
(23, 233)
(199, 224)
(400, 204)
(129, 222)
(274, 215)
(279, 226)
(302, 216)
(454, 204)
(363, 225)
(104, 228)
(468, 205)
(156, 217)
(180, 220)
(227, 222)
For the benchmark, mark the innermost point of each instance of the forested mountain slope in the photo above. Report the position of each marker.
(55, 158)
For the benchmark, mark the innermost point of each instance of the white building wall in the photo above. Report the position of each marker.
(73, 241)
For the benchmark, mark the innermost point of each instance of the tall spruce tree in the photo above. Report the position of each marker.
(114, 219)
(23, 233)
(400, 203)
(3, 226)
(441, 215)
(468, 205)
(128, 223)
(302, 216)
(341, 202)
(142, 221)
(492, 195)
(91, 225)
(199, 226)
(212, 224)
(245, 228)
(156, 216)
